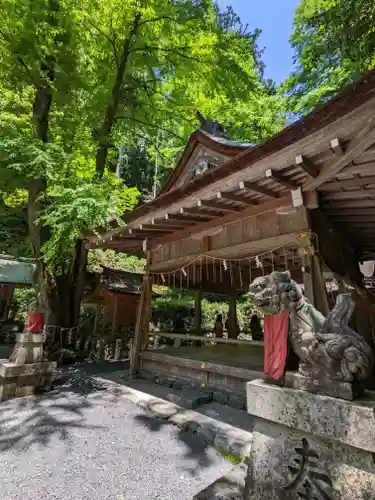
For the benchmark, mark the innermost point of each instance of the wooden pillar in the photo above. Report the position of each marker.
(141, 325)
(97, 318)
(198, 311)
(313, 280)
(232, 316)
(114, 316)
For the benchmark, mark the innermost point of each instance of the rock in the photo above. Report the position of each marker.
(207, 432)
(220, 397)
(236, 402)
(189, 399)
(177, 385)
(148, 376)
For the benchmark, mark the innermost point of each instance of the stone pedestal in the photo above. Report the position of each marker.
(25, 373)
(17, 381)
(309, 446)
(324, 385)
(28, 349)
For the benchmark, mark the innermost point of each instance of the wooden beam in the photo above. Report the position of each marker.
(197, 212)
(307, 166)
(163, 227)
(348, 212)
(281, 179)
(216, 206)
(355, 148)
(142, 316)
(141, 230)
(184, 217)
(252, 211)
(352, 195)
(311, 199)
(234, 197)
(348, 204)
(356, 181)
(355, 223)
(337, 147)
(169, 222)
(251, 186)
(353, 218)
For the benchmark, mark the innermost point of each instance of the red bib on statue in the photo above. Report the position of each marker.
(35, 322)
(275, 344)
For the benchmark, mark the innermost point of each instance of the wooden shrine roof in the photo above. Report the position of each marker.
(121, 282)
(216, 144)
(328, 155)
(18, 272)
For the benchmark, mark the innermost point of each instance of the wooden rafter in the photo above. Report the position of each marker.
(357, 181)
(337, 147)
(353, 195)
(234, 197)
(185, 217)
(216, 206)
(251, 186)
(251, 211)
(281, 179)
(162, 227)
(307, 166)
(198, 212)
(347, 204)
(364, 139)
(166, 221)
(349, 212)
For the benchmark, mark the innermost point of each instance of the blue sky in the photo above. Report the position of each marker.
(274, 18)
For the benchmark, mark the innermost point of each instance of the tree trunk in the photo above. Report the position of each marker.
(112, 108)
(59, 296)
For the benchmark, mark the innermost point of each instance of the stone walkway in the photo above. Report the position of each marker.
(84, 441)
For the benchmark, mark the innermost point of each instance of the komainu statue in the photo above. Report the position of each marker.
(326, 347)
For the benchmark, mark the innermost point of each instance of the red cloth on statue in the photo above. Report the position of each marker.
(35, 322)
(275, 344)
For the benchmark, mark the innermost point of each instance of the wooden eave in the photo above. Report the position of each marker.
(329, 152)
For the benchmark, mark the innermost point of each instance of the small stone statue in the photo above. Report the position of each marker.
(327, 347)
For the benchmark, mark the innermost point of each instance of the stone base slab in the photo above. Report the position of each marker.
(24, 380)
(310, 446)
(324, 385)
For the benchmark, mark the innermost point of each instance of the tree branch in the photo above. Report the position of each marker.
(175, 50)
(157, 127)
(112, 108)
(110, 40)
(156, 19)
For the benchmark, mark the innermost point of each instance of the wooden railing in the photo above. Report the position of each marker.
(218, 340)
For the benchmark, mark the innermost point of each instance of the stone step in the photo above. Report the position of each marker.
(196, 396)
(189, 398)
(231, 486)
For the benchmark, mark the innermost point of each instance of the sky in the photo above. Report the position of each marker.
(274, 18)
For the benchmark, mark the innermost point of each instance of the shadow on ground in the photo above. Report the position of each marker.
(36, 419)
(197, 449)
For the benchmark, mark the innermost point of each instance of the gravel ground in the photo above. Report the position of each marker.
(82, 442)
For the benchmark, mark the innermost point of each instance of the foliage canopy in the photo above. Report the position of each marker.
(334, 44)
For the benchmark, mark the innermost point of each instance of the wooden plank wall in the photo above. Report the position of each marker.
(237, 233)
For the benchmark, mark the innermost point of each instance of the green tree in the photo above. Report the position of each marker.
(334, 44)
(80, 79)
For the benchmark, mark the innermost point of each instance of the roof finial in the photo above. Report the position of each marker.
(211, 127)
